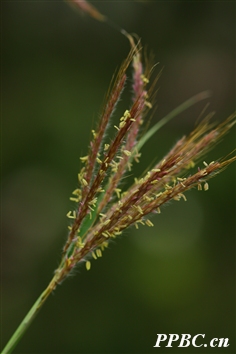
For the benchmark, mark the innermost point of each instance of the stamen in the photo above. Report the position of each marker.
(88, 265)
(84, 158)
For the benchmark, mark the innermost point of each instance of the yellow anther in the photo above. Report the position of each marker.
(117, 190)
(74, 199)
(156, 170)
(106, 147)
(98, 160)
(176, 197)
(94, 134)
(106, 222)
(122, 124)
(147, 199)
(199, 187)
(127, 114)
(162, 162)
(206, 186)
(76, 192)
(139, 209)
(136, 157)
(88, 265)
(191, 164)
(84, 182)
(148, 104)
(80, 243)
(116, 127)
(98, 252)
(94, 255)
(104, 245)
(119, 210)
(181, 179)
(183, 196)
(84, 158)
(105, 234)
(167, 187)
(71, 214)
(113, 163)
(149, 223)
(144, 79)
(146, 177)
(93, 201)
(127, 152)
(114, 169)
(205, 163)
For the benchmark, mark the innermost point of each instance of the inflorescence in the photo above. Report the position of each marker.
(104, 208)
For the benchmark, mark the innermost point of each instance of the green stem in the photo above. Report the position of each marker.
(29, 318)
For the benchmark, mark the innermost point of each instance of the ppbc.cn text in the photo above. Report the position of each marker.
(186, 340)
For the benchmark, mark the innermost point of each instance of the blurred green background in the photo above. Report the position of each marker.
(178, 277)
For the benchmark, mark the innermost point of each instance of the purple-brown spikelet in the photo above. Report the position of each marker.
(128, 148)
(104, 208)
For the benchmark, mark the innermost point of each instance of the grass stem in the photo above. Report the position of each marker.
(24, 325)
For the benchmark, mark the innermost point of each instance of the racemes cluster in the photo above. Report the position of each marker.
(104, 207)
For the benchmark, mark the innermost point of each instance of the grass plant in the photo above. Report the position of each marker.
(104, 206)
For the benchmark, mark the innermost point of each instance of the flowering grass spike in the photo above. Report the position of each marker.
(103, 207)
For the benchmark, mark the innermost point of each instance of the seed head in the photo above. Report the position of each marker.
(104, 208)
